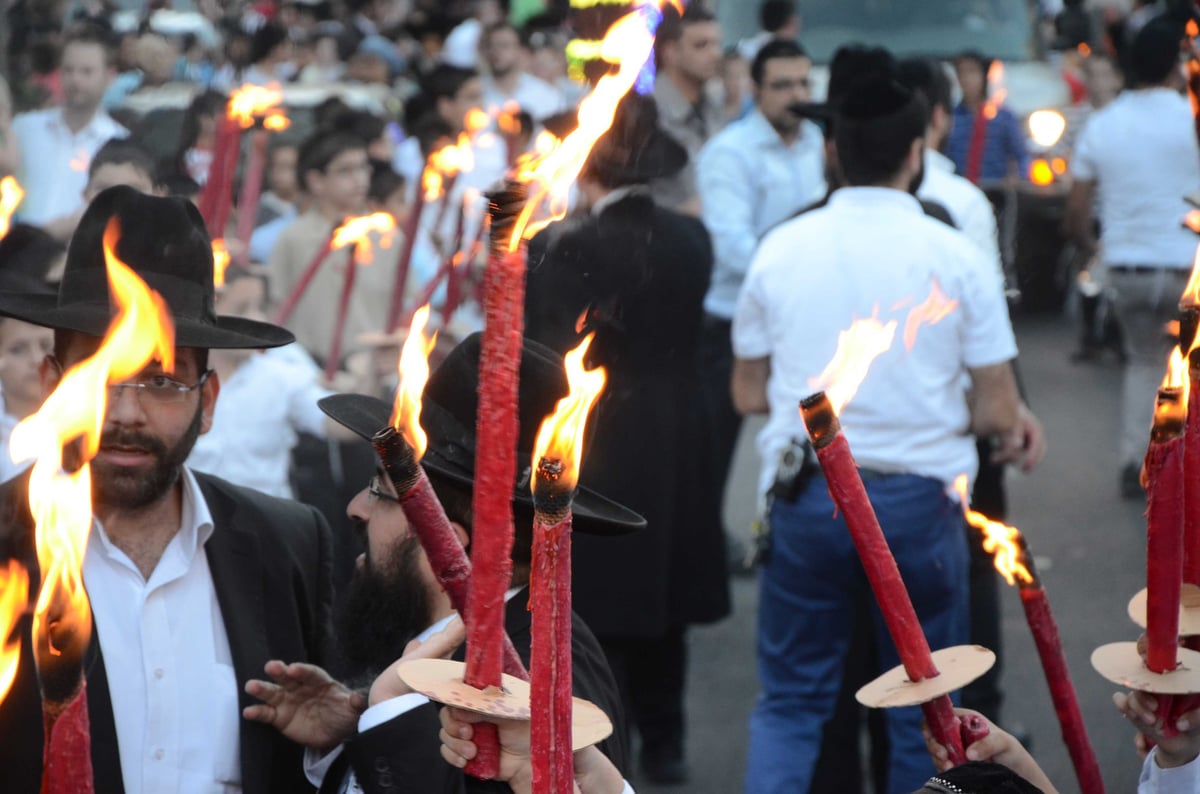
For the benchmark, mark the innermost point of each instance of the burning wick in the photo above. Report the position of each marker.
(558, 452)
(11, 195)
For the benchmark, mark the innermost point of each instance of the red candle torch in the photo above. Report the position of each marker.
(61, 504)
(1164, 517)
(400, 447)
(1015, 564)
(556, 460)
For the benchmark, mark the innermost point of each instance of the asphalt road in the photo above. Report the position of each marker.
(1090, 549)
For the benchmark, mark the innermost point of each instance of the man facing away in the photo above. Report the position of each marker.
(1137, 158)
(57, 145)
(194, 582)
(870, 251)
(752, 175)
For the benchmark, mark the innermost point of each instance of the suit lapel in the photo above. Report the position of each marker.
(106, 757)
(235, 561)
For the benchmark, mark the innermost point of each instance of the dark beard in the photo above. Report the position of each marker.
(134, 489)
(385, 606)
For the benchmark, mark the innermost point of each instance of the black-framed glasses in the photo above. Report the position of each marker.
(375, 491)
(158, 389)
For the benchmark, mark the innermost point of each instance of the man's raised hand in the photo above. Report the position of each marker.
(305, 704)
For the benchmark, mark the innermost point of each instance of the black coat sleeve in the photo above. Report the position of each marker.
(403, 756)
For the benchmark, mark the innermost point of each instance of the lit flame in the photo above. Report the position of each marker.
(14, 597)
(857, 348)
(932, 311)
(1192, 29)
(560, 437)
(507, 120)
(997, 93)
(11, 195)
(357, 231)
(61, 502)
(1191, 293)
(252, 101)
(550, 175)
(1176, 376)
(1084, 50)
(220, 261)
(446, 163)
(1000, 540)
(414, 371)
(80, 161)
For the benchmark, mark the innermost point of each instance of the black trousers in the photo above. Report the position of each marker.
(650, 674)
(716, 367)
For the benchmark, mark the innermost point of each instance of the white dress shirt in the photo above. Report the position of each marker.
(874, 251)
(55, 161)
(968, 206)
(749, 181)
(262, 409)
(1141, 151)
(170, 672)
(1178, 780)
(8, 423)
(536, 97)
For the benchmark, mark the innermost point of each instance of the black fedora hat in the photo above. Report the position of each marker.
(634, 149)
(164, 241)
(448, 417)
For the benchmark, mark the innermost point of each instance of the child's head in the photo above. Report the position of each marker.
(387, 193)
(281, 170)
(243, 295)
(23, 346)
(333, 168)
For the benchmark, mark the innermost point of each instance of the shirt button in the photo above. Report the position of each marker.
(158, 754)
(158, 673)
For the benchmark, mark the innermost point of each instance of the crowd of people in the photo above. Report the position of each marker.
(251, 598)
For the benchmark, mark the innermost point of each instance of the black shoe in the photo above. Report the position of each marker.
(1131, 482)
(664, 768)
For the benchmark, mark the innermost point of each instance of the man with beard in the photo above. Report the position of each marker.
(194, 582)
(870, 251)
(395, 599)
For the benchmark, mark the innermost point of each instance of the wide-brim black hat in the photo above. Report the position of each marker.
(164, 241)
(448, 411)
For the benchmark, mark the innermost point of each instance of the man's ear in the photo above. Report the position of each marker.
(208, 401)
(463, 537)
(49, 373)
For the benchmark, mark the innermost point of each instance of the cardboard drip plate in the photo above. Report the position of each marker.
(1189, 610)
(1121, 663)
(959, 666)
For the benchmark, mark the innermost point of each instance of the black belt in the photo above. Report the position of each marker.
(1142, 269)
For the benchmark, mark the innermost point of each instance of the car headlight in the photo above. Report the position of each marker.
(1046, 127)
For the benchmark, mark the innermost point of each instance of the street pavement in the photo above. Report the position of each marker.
(1090, 550)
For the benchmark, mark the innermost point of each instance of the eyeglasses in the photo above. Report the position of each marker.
(375, 492)
(158, 389)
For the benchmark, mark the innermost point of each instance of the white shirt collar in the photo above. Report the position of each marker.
(875, 198)
(441, 624)
(195, 528)
(935, 160)
(615, 195)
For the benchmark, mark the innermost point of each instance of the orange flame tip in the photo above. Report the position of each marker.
(932, 311)
(1193, 30)
(251, 101)
(1000, 540)
(1192, 221)
(550, 174)
(857, 348)
(11, 195)
(1177, 372)
(220, 262)
(14, 598)
(60, 501)
(357, 231)
(997, 93)
(560, 436)
(414, 372)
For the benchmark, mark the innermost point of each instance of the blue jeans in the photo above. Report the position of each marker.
(805, 615)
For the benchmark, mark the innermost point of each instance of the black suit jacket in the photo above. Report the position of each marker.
(271, 568)
(402, 756)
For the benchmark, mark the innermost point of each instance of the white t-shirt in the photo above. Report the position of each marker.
(55, 161)
(536, 97)
(1179, 780)
(874, 251)
(1142, 153)
(968, 206)
(261, 409)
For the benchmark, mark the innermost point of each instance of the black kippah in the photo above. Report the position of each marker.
(981, 777)
(875, 97)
